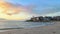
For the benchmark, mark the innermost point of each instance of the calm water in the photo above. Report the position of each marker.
(20, 24)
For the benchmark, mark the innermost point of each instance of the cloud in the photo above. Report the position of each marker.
(10, 8)
(54, 14)
(51, 11)
(11, 11)
(46, 10)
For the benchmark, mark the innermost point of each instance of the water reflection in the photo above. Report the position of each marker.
(18, 24)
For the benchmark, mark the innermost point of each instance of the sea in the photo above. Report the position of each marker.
(6, 25)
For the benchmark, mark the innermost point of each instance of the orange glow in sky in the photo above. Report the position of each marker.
(9, 12)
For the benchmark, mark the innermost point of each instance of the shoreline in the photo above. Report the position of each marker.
(36, 30)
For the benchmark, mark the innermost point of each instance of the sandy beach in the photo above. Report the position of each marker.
(50, 29)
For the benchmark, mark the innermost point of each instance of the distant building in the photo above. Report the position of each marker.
(35, 19)
(56, 18)
(45, 19)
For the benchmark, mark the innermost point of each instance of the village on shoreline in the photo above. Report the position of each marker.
(44, 19)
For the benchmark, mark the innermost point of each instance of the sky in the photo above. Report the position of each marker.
(41, 7)
(37, 7)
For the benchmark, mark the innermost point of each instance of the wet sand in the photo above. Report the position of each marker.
(51, 29)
